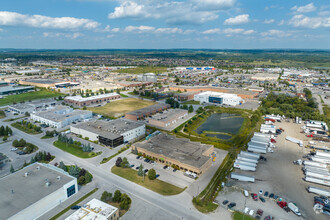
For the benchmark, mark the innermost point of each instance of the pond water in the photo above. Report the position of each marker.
(221, 122)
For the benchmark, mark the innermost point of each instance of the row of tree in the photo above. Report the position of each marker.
(5, 131)
(125, 164)
(41, 156)
(29, 125)
(81, 174)
(27, 147)
(118, 197)
(69, 140)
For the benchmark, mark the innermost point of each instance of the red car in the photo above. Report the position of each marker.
(254, 196)
(272, 140)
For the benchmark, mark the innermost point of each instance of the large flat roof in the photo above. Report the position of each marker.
(44, 81)
(169, 115)
(180, 149)
(109, 129)
(148, 109)
(82, 99)
(14, 88)
(53, 116)
(19, 191)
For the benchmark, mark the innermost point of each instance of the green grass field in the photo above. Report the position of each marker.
(191, 102)
(143, 69)
(156, 185)
(42, 94)
(75, 150)
(120, 107)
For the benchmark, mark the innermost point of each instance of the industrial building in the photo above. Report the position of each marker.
(9, 89)
(60, 116)
(147, 77)
(129, 84)
(170, 150)
(34, 190)
(29, 107)
(86, 101)
(45, 83)
(167, 118)
(265, 77)
(146, 112)
(219, 98)
(185, 96)
(95, 209)
(110, 133)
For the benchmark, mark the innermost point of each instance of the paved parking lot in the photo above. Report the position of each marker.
(280, 176)
(176, 178)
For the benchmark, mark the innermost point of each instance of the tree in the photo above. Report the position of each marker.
(81, 180)
(74, 171)
(84, 108)
(124, 163)
(106, 197)
(88, 177)
(191, 109)
(125, 201)
(116, 196)
(12, 170)
(15, 143)
(141, 171)
(62, 166)
(118, 161)
(152, 174)
(2, 130)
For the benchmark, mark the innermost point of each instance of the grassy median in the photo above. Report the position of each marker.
(156, 185)
(241, 216)
(75, 150)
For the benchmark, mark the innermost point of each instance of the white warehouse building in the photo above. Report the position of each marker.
(34, 190)
(219, 98)
(60, 116)
(110, 133)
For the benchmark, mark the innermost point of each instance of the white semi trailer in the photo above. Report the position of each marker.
(247, 159)
(322, 154)
(315, 164)
(257, 156)
(257, 150)
(316, 180)
(318, 191)
(241, 177)
(244, 167)
(321, 159)
(245, 163)
(318, 175)
(295, 140)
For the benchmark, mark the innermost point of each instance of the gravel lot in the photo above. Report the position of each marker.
(279, 176)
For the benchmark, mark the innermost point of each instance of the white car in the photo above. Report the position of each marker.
(251, 212)
(261, 191)
(246, 210)
(246, 193)
(14, 149)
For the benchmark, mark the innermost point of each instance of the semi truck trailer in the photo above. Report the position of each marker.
(315, 164)
(316, 180)
(257, 156)
(318, 191)
(318, 175)
(257, 150)
(251, 160)
(241, 177)
(244, 167)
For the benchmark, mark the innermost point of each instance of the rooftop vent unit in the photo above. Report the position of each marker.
(47, 184)
(38, 168)
(58, 178)
(26, 174)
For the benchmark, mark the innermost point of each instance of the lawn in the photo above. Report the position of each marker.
(2, 114)
(144, 69)
(25, 129)
(42, 94)
(120, 107)
(123, 95)
(75, 150)
(191, 102)
(241, 216)
(156, 185)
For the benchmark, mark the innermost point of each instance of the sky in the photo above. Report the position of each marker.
(164, 24)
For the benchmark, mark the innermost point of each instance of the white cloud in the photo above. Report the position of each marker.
(281, 22)
(270, 21)
(304, 9)
(233, 31)
(115, 30)
(39, 21)
(248, 32)
(128, 9)
(168, 31)
(309, 22)
(173, 12)
(61, 35)
(239, 19)
(212, 31)
(139, 29)
(275, 33)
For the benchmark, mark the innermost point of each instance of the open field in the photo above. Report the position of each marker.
(42, 94)
(75, 150)
(156, 185)
(120, 107)
(191, 102)
(144, 69)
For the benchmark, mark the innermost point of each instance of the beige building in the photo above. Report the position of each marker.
(168, 117)
(95, 209)
(170, 150)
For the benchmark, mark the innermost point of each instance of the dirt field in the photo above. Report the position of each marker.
(120, 107)
(280, 176)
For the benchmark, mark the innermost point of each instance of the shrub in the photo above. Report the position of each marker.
(152, 174)
(117, 196)
(125, 201)
(81, 180)
(118, 161)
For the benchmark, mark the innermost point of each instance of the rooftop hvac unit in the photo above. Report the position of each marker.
(58, 178)
(47, 184)
(38, 167)
(26, 174)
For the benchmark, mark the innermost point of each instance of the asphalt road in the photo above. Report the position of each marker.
(179, 206)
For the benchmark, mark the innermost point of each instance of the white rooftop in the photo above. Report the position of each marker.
(81, 99)
(94, 209)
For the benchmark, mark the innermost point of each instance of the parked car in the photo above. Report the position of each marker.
(225, 202)
(76, 207)
(260, 212)
(132, 165)
(157, 175)
(137, 168)
(262, 199)
(261, 191)
(165, 167)
(271, 195)
(275, 197)
(246, 193)
(268, 217)
(138, 157)
(174, 170)
(146, 170)
(254, 196)
(246, 210)
(14, 149)
(251, 212)
(231, 205)
(266, 194)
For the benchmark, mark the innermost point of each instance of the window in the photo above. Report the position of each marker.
(71, 190)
